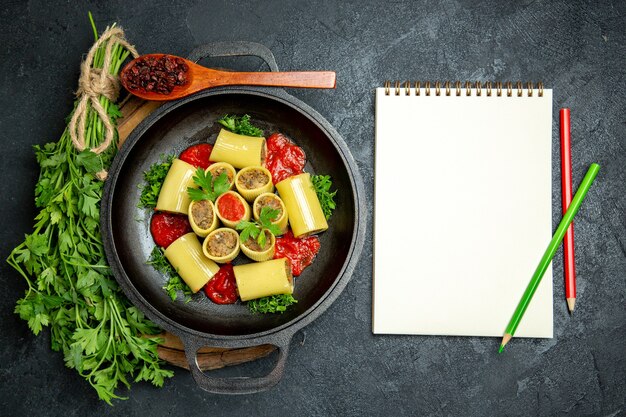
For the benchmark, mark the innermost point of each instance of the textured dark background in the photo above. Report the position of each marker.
(337, 367)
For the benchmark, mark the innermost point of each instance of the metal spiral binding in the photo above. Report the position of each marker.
(478, 88)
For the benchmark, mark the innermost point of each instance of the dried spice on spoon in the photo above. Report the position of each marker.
(158, 75)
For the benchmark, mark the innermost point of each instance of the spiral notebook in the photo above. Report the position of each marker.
(463, 207)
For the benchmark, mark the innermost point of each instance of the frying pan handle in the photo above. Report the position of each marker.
(238, 385)
(234, 48)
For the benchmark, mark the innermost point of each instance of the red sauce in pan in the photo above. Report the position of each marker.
(230, 207)
(284, 159)
(166, 228)
(222, 288)
(300, 252)
(197, 155)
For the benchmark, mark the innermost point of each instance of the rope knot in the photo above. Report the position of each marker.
(97, 82)
(93, 83)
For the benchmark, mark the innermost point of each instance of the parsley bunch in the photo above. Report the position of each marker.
(255, 229)
(210, 188)
(271, 304)
(322, 184)
(70, 287)
(240, 125)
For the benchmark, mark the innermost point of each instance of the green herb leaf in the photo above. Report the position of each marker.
(254, 230)
(174, 285)
(210, 188)
(197, 194)
(221, 184)
(248, 229)
(267, 216)
(89, 160)
(271, 304)
(322, 184)
(153, 180)
(261, 240)
(240, 125)
(274, 229)
(203, 179)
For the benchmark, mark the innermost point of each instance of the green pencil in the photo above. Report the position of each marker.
(549, 253)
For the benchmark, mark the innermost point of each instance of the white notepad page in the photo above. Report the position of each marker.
(463, 212)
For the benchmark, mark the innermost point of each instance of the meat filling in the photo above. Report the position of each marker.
(252, 244)
(271, 202)
(222, 243)
(202, 213)
(218, 171)
(253, 179)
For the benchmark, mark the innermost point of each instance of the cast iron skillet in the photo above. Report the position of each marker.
(127, 241)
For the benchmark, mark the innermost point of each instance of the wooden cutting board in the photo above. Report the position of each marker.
(171, 349)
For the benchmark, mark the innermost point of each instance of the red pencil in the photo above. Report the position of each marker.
(566, 186)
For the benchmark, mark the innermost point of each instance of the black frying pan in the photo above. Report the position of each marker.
(125, 228)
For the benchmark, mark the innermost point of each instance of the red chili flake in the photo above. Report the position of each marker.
(222, 288)
(166, 228)
(284, 159)
(197, 155)
(157, 75)
(299, 251)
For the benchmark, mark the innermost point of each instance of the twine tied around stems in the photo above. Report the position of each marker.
(93, 83)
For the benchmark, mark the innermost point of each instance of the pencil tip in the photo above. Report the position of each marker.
(571, 302)
(505, 340)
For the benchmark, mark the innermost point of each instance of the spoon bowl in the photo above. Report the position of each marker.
(200, 78)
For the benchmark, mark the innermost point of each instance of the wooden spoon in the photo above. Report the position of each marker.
(200, 78)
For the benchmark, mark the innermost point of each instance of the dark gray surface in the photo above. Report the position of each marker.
(336, 366)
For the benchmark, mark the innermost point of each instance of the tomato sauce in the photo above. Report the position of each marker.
(222, 288)
(166, 228)
(197, 155)
(300, 252)
(230, 207)
(284, 159)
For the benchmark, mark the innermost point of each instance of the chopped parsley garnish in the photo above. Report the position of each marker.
(154, 178)
(175, 283)
(271, 304)
(240, 125)
(322, 184)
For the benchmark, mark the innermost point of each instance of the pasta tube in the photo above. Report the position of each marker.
(238, 150)
(202, 217)
(273, 201)
(231, 209)
(221, 245)
(173, 196)
(262, 279)
(254, 251)
(253, 181)
(185, 255)
(303, 207)
(218, 167)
